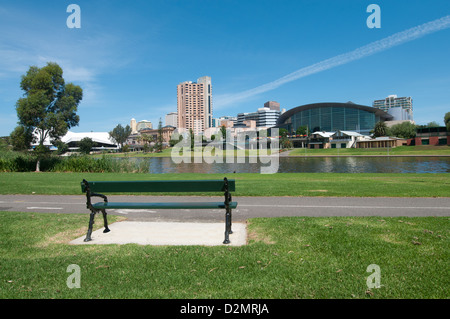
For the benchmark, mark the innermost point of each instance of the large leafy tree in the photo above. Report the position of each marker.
(120, 134)
(49, 105)
(403, 130)
(433, 124)
(380, 129)
(146, 139)
(447, 120)
(21, 138)
(85, 145)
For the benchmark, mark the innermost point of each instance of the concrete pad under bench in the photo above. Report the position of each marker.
(166, 233)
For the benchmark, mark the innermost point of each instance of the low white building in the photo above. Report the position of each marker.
(102, 140)
(351, 139)
(338, 139)
(346, 139)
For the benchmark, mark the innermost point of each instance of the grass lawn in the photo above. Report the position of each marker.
(280, 184)
(422, 150)
(287, 258)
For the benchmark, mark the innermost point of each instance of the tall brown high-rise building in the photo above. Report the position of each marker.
(194, 104)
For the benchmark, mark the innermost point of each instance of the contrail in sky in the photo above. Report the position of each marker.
(364, 51)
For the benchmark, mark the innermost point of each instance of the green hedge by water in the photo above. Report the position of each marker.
(19, 162)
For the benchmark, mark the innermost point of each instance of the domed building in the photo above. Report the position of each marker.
(332, 117)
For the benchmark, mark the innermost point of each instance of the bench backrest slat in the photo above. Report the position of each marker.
(158, 186)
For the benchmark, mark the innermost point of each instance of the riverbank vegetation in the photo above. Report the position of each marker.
(286, 258)
(422, 150)
(26, 162)
(248, 184)
(204, 151)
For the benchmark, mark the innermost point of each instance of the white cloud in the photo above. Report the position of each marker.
(364, 51)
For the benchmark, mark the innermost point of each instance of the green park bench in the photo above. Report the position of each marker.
(96, 189)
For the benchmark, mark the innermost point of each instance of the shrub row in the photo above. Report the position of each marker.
(73, 163)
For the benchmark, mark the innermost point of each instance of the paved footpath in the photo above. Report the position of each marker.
(248, 207)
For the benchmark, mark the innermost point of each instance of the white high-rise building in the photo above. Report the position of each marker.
(144, 124)
(133, 126)
(266, 116)
(172, 119)
(399, 107)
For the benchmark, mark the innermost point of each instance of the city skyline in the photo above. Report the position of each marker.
(129, 59)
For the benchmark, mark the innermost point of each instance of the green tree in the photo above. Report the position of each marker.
(223, 132)
(283, 132)
(49, 105)
(403, 130)
(21, 138)
(159, 138)
(380, 129)
(302, 130)
(85, 145)
(191, 136)
(146, 139)
(433, 124)
(61, 147)
(284, 140)
(447, 121)
(120, 134)
(4, 144)
(173, 141)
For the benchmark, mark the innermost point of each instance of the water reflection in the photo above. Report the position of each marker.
(366, 165)
(158, 165)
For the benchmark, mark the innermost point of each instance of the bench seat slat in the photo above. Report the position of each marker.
(194, 205)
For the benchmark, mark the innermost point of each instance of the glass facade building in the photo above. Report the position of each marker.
(331, 117)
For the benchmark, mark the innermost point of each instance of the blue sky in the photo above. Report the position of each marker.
(129, 56)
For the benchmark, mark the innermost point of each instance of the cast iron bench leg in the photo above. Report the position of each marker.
(227, 226)
(91, 223)
(105, 221)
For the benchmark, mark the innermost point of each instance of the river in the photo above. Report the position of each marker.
(338, 164)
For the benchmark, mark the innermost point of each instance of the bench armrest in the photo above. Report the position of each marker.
(89, 194)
